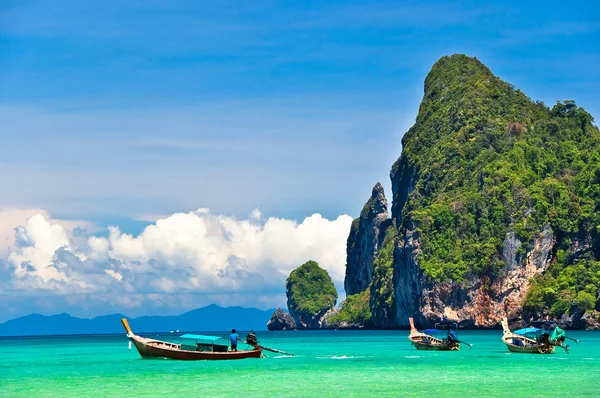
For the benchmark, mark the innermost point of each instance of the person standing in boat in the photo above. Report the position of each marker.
(233, 339)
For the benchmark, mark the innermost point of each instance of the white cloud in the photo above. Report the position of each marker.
(12, 218)
(114, 274)
(98, 248)
(36, 243)
(243, 262)
(255, 214)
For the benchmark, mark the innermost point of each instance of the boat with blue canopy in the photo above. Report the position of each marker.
(192, 347)
(196, 347)
(541, 337)
(441, 338)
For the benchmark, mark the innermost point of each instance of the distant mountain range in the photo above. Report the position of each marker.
(210, 318)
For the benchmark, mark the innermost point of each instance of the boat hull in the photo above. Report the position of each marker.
(530, 349)
(149, 348)
(430, 347)
(422, 341)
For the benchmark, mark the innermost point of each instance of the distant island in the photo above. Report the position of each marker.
(495, 212)
(210, 318)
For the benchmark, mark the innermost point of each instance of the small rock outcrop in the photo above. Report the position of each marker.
(576, 320)
(281, 320)
(591, 321)
(311, 294)
(364, 241)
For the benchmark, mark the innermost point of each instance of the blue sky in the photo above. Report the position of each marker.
(123, 112)
(114, 109)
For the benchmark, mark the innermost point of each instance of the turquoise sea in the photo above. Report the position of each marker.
(327, 363)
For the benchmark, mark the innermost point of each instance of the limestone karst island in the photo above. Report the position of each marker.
(495, 212)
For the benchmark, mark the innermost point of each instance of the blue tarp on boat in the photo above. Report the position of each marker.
(530, 333)
(527, 331)
(200, 337)
(437, 331)
(433, 331)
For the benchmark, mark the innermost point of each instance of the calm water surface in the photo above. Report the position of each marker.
(328, 363)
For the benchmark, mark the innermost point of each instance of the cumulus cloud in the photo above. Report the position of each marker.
(36, 243)
(11, 219)
(174, 260)
(256, 214)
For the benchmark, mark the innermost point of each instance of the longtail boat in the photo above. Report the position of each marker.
(192, 347)
(442, 338)
(541, 337)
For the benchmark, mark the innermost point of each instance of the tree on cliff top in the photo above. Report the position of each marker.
(309, 290)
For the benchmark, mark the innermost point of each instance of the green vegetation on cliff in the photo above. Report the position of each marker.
(354, 310)
(382, 286)
(487, 160)
(310, 290)
(564, 289)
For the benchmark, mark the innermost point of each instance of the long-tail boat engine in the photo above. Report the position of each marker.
(251, 339)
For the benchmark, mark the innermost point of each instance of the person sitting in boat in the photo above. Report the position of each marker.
(233, 339)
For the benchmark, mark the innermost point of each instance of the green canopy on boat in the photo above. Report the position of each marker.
(557, 333)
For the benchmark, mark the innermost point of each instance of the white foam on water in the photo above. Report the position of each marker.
(342, 356)
(337, 357)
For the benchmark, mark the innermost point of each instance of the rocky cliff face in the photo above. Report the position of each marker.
(478, 301)
(409, 279)
(366, 236)
(403, 178)
(491, 216)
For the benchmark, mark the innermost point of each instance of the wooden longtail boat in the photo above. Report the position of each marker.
(435, 339)
(534, 340)
(193, 347)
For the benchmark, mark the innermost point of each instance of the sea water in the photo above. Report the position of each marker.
(327, 363)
